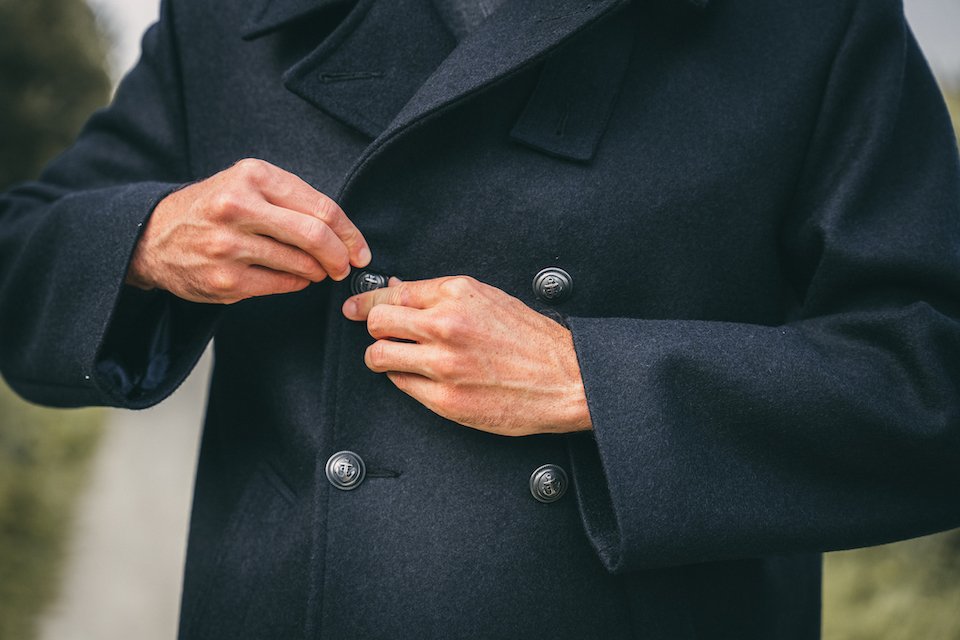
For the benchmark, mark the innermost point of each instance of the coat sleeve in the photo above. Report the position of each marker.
(840, 428)
(71, 333)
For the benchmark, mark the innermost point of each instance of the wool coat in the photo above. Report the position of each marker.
(758, 205)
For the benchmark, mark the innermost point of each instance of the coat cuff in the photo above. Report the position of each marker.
(88, 338)
(152, 339)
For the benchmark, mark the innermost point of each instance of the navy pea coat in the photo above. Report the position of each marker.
(758, 202)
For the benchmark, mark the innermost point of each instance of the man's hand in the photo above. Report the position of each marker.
(474, 355)
(250, 230)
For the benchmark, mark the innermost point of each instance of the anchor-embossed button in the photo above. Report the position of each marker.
(552, 285)
(345, 470)
(366, 280)
(548, 483)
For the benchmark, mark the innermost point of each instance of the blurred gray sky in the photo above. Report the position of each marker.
(935, 22)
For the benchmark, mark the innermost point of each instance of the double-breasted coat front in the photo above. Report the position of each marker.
(757, 206)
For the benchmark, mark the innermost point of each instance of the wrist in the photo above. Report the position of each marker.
(138, 273)
(575, 412)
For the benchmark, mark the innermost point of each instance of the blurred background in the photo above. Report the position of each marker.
(94, 503)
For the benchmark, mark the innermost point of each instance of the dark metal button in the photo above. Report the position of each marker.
(553, 285)
(345, 470)
(364, 281)
(548, 483)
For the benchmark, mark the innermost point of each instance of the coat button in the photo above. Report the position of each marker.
(345, 470)
(365, 280)
(552, 285)
(548, 483)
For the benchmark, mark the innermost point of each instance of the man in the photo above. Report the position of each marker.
(702, 256)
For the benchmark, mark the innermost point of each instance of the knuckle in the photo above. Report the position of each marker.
(226, 203)
(402, 295)
(223, 282)
(281, 184)
(457, 286)
(340, 264)
(442, 328)
(375, 355)
(222, 245)
(305, 266)
(325, 209)
(350, 234)
(375, 321)
(444, 366)
(315, 233)
(252, 169)
(448, 327)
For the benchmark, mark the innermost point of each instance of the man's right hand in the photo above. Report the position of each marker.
(250, 230)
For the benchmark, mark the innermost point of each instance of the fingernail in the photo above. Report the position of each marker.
(350, 308)
(365, 256)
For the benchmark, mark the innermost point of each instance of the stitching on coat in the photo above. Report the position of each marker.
(345, 76)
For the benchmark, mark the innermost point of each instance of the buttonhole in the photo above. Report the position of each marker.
(561, 127)
(382, 473)
(345, 76)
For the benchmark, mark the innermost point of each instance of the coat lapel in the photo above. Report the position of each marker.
(392, 63)
(369, 68)
(568, 111)
(519, 33)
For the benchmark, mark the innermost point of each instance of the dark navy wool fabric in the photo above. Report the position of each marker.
(758, 202)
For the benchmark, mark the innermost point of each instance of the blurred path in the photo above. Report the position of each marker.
(125, 558)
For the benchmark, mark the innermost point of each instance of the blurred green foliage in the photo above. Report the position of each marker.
(904, 591)
(52, 75)
(44, 457)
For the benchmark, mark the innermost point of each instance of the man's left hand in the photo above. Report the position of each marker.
(475, 355)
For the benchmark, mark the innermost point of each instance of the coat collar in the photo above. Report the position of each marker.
(269, 15)
(391, 63)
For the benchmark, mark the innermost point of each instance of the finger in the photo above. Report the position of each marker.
(303, 232)
(401, 323)
(260, 281)
(386, 355)
(256, 281)
(415, 385)
(267, 252)
(291, 192)
(430, 393)
(418, 294)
